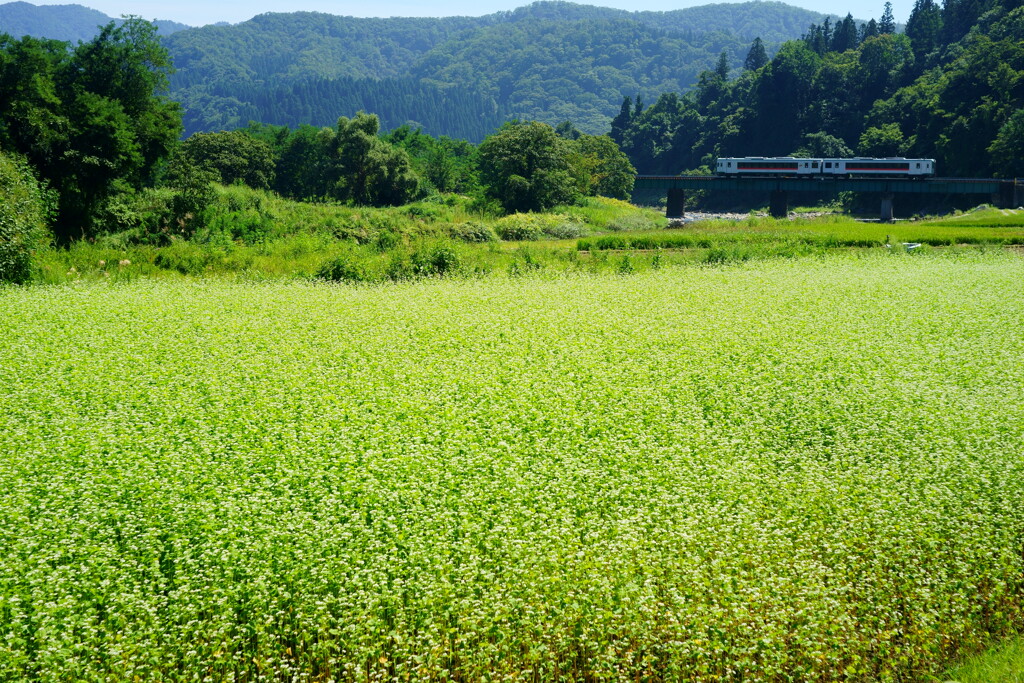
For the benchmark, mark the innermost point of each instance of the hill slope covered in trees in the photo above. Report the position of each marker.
(62, 22)
(459, 76)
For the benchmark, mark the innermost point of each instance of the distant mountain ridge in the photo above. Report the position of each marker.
(62, 22)
(549, 61)
(459, 76)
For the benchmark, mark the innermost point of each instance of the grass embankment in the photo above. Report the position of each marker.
(985, 227)
(255, 235)
(783, 470)
(1002, 664)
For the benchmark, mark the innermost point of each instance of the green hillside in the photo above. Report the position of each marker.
(549, 61)
(62, 22)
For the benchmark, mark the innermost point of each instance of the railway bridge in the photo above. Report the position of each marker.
(1002, 193)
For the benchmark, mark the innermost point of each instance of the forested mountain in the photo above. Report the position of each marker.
(460, 76)
(62, 22)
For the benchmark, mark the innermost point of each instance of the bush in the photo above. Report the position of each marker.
(344, 268)
(24, 209)
(474, 232)
(565, 230)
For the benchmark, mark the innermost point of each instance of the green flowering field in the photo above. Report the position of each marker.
(791, 470)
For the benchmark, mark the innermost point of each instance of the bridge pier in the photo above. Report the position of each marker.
(1010, 195)
(676, 207)
(778, 205)
(886, 214)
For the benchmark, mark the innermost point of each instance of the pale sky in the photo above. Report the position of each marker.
(199, 12)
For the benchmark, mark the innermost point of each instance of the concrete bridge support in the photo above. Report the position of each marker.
(886, 214)
(778, 205)
(676, 207)
(1010, 195)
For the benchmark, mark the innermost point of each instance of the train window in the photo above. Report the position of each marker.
(919, 164)
(814, 164)
(828, 164)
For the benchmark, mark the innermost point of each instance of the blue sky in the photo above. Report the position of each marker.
(199, 12)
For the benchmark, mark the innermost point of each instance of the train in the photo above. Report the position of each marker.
(857, 167)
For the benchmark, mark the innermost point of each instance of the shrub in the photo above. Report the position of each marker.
(474, 232)
(24, 209)
(344, 268)
(565, 230)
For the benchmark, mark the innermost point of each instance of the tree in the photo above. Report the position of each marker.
(887, 23)
(24, 208)
(1007, 149)
(822, 144)
(568, 131)
(603, 167)
(234, 156)
(305, 169)
(881, 141)
(369, 171)
(525, 167)
(722, 67)
(845, 35)
(622, 121)
(924, 28)
(756, 57)
(91, 121)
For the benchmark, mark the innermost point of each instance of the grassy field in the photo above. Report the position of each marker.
(771, 471)
(253, 235)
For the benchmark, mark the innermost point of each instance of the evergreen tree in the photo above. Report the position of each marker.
(868, 30)
(888, 23)
(756, 57)
(845, 35)
(722, 67)
(924, 28)
(621, 123)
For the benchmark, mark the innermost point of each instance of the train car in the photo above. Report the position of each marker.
(891, 167)
(768, 166)
(858, 167)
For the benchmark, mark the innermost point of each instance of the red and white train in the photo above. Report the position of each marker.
(859, 167)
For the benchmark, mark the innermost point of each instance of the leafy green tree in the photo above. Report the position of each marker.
(757, 56)
(568, 131)
(881, 141)
(603, 168)
(234, 156)
(24, 208)
(525, 166)
(1007, 149)
(193, 194)
(305, 169)
(91, 121)
(369, 171)
(822, 144)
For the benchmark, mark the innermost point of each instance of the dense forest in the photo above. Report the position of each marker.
(549, 61)
(951, 87)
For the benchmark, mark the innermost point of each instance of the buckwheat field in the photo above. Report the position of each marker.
(802, 470)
